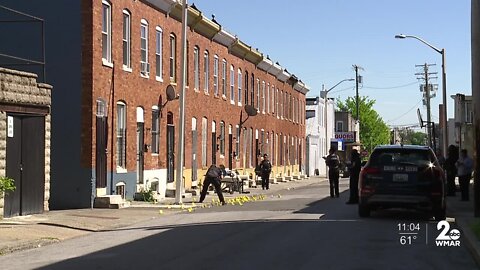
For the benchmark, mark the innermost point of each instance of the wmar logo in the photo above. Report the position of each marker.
(447, 237)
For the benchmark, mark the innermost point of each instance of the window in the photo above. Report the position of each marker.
(272, 103)
(204, 141)
(196, 63)
(144, 65)
(222, 138)
(239, 82)
(263, 96)
(281, 104)
(252, 93)
(224, 78)
(246, 87)
(173, 52)
(339, 126)
(232, 84)
(158, 53)
(155, 130)
(106, 32)
(215, 75)
(121, 153)
(276, 103)
(126, 39)
(258, 94)
(206, 71)
(237, 142)
(311, 113)
(267, 98)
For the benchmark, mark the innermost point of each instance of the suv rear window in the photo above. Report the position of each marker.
(386, 157)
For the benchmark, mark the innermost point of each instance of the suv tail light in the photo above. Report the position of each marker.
(364, 184)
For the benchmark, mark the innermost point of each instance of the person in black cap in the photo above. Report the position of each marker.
(213, 176)
(355, 168)
(333, 163)
(265, 170)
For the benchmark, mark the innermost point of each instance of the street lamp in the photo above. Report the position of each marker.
(325, 110)
(443, 113)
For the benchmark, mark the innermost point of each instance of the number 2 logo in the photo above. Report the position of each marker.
(446, 233)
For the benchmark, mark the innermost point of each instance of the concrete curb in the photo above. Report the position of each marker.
(470, 239)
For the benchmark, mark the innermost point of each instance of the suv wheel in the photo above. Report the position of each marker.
(363, 210)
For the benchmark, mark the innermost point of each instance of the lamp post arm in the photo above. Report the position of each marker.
(426, 43)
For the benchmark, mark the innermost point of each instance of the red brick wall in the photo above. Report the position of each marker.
(136, 91)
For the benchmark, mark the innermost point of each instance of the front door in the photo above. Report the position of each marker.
(170, 152)
(194, 155)
(101, 152)
(25, 163)
(140, 151)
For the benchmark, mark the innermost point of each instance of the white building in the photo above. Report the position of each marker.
(318, 134)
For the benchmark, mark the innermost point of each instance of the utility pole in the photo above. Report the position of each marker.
(475, 45)
(427, 96)
(358, 80)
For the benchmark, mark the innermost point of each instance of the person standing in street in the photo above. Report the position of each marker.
(265, 170)
(355, 167)
(333, 163)
(464, 166)
(451, 169)
(213, 176)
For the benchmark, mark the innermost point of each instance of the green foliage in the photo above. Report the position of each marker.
(373, 130)
(6, 184)
(148, 196)
(409, 136)
(475, 226)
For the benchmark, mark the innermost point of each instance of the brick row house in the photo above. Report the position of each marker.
(115, 131)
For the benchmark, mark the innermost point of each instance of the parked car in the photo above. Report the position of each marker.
(402, 176)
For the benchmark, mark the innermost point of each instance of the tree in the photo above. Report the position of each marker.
(373, 130)
(409, 136)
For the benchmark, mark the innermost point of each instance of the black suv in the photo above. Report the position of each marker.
(402, 176)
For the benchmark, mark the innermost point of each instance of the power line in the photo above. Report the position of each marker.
(414, 106)
(392, 87)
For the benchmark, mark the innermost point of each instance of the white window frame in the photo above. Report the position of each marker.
(196, 68)
(215, 75)
(107, 34)
(232, 84)
(121, 139)
(158, 53)
(206, 70)
(268, 98)
(144, 65)
(239, 82)
(263, 97)
(258, 94)
(155, 130)
(172, 58)
(224, 78)
(222, 139)
(127, 38)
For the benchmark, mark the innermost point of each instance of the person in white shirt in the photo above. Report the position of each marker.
(464, 172)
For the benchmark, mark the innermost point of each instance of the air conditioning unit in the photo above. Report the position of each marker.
(145, 68)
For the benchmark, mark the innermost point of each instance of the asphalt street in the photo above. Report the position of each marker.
(301, 228)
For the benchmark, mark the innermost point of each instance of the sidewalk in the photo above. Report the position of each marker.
(26, 232)
(463, 212)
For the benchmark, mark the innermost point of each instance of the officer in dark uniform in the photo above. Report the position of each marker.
(213, 176)
(333, 163)
(355, 168)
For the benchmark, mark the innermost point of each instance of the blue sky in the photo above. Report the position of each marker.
(320, 40)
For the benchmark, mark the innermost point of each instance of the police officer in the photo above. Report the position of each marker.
(333, 163)
(355, 167)
(213, 176)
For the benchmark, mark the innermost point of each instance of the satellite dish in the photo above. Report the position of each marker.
(250, 110)
(420, 120)
(171, 95)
